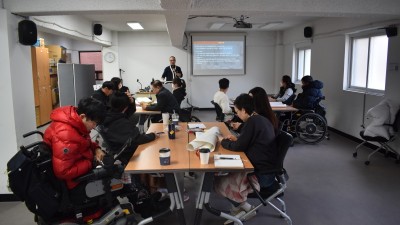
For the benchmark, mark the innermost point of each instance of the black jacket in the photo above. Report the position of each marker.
(310, 96)
(103, 98)
(117, 129)
(179, 95)
(166, 102)
(257, 140)
(168, 75)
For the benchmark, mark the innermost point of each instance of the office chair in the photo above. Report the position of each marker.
(383, 141)
(220, 116)
(266, 195)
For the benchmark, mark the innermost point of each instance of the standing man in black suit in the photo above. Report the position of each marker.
(171, 71)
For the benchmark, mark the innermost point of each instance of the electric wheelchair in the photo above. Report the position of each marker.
(308, 125)
(31, 178)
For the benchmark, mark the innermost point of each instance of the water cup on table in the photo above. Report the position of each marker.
(204, 155)
(165, 118)
(175, 119)
(165, 156)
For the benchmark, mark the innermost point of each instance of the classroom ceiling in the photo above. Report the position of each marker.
(179, 16)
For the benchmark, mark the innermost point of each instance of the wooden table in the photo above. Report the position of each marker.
(207, 173)
(287, 108)
(140, 110)
(146, 160)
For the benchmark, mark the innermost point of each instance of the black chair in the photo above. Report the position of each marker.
(220, 115)
(266, 195)
(290, 100)
(383, 141)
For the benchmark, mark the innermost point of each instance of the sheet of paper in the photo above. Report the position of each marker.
(196, 125)
(143, 99)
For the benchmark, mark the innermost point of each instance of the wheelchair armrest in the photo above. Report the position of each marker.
(101, 173)
(255, 190)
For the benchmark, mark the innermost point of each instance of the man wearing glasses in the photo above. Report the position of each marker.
(171, 71)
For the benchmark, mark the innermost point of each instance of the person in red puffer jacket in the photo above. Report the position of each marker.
(69, 139)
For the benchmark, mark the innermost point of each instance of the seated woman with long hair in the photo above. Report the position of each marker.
(286, 90)
(261, 106)
(257, 140)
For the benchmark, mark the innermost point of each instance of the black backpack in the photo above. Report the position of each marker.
(31, 178)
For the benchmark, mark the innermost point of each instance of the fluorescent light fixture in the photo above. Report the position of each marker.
(270, 25)
(135, 25)
(216, 26)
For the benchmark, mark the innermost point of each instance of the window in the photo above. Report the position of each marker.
(368, 58)
(93, 57)
(303, 62)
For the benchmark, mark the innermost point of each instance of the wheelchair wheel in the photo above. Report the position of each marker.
(311, 128)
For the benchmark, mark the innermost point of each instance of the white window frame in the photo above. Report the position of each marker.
(348, 69)
(297, 50)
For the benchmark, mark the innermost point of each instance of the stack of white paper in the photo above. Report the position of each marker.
(277, 104)
(228, 161)
(143, 99)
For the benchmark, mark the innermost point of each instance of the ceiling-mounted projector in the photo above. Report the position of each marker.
(241, 24)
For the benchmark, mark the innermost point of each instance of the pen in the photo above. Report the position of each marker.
(225, 158)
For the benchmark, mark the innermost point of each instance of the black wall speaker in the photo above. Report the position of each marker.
(27, 32)
(97, 29)
(308, 32)
(391, 31)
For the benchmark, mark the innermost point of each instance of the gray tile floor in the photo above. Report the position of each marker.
(327, 186)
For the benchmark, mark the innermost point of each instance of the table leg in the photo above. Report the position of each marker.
(173, 188)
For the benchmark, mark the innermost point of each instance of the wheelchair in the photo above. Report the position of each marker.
(308, 125)
(48, 197)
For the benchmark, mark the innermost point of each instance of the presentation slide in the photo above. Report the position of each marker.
(218, 55)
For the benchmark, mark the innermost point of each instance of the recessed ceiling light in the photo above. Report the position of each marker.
(135, 25)
(270, 25)
(216, 26)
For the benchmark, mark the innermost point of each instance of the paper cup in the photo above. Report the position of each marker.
(204, 155)
(165, 118)
(165, 156)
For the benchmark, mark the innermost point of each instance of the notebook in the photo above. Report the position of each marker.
(228, 161)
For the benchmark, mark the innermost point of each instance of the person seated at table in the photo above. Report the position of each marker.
(178, 91)
(104, 92)
(286, 91)
(261, 107)
(221, 98)
(117, 129)
(130, 112)
(311, 94)
(257, 140)
(73, 151)
(166, 102)
(119, 86)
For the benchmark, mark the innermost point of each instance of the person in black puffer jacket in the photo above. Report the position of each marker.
(117, 129)
(311, 94)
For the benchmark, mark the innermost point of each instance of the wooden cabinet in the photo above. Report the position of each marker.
(41, 84)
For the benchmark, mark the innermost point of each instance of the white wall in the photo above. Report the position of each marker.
(144, 56)
(18, 110)
(344, 108)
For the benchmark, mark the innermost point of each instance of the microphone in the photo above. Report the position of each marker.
(139, 83)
